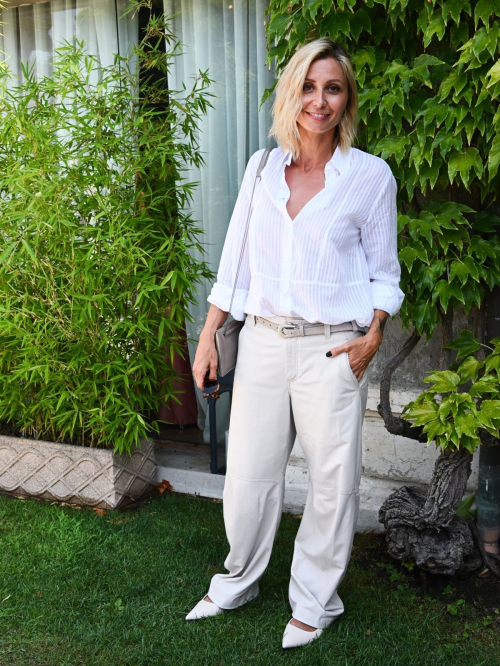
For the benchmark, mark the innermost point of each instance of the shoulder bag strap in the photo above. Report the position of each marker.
(257, 175)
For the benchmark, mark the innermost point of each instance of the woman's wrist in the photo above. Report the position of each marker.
(215, 319)
(377, 325)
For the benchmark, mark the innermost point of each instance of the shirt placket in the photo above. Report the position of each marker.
(286, 268)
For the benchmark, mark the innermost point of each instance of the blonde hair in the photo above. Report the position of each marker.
(288, 101)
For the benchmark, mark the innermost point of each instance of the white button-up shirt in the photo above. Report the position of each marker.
(336, 261)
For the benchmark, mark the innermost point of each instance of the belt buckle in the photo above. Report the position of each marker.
(290, 327)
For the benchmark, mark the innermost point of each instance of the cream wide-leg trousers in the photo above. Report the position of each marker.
(284, 387)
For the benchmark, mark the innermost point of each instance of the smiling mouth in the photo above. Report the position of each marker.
(318, 115)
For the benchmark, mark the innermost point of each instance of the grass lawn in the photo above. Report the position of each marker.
(78, 588)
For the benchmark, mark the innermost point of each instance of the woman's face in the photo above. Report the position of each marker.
(324, 96)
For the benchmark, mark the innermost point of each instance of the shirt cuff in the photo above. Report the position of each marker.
(221, 297)
(387, 297)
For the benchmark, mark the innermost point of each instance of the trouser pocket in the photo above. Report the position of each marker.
(347, 365)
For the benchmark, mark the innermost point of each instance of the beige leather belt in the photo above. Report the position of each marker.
(299, 329)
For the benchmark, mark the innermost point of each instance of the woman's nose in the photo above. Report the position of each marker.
(320, 99)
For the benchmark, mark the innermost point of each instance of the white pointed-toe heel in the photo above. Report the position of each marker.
(294, 637)
(204, 609)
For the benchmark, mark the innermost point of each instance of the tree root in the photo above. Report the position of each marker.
(424, 526)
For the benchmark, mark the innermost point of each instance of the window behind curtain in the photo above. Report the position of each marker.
(32, 32)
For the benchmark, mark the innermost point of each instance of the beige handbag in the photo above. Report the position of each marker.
(226, 337)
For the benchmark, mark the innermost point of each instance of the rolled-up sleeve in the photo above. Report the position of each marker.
(380, 245)
(222, 290)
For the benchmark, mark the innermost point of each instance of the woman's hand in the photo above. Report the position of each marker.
(206, 353)
(205, 359)
(360, 351)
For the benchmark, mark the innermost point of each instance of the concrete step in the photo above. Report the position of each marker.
(188, 471)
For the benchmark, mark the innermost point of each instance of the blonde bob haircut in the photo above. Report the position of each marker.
(288, 101)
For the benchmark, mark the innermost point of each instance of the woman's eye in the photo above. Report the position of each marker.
(307, 86)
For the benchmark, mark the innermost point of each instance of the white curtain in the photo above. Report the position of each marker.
(229, 39)
(31, 33)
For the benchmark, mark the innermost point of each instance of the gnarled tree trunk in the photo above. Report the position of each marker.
(423, 526)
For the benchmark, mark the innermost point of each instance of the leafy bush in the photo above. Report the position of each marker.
(461, 400)
(96, 268)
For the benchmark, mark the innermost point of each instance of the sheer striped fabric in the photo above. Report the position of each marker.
(336, 261)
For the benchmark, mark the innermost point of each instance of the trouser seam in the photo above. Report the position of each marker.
(244, 478)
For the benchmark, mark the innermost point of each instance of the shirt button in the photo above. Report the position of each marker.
(284, 289)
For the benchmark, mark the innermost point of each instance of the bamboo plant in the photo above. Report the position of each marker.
(96, 249)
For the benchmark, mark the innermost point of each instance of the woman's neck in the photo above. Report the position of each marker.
(315, 157)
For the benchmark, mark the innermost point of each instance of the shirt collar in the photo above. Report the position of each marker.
(339, 160)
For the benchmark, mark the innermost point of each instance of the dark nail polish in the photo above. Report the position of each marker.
(328, 354)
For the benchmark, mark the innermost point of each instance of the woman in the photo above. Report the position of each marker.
(318, 280)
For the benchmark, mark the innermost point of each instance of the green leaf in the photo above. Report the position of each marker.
(335, 23)
(427, 59)
(435, 26)
(433, 111)
(393, 145)
(279, 23)
(395, 68)
(430, 173)
(365, 56)
(7, 252)
(459, 34)
(408, 255)
(29, 250)
(487, 384)
(492, 362)
(472, 267)
(459, 269)
(491, 409)
(359, 21)
(484, 9)
(279, 50)
(463, 162)
(425, 316)
(453, 7)
(448, 406)
(434, 428)
(466, 344)
(454, 81)
(313, 5)
(469, 443)
(481, 248)
(469, 368)
(494, 157)
(422, 413)
(445, 381)
(493, 74)
(473, 295)
(464, 509)
(424, 226)
(479, 42)
(444, 290)
(466, 424)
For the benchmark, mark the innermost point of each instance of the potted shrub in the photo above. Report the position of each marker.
(96, 266)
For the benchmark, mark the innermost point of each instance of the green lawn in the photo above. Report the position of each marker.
(78, 588)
